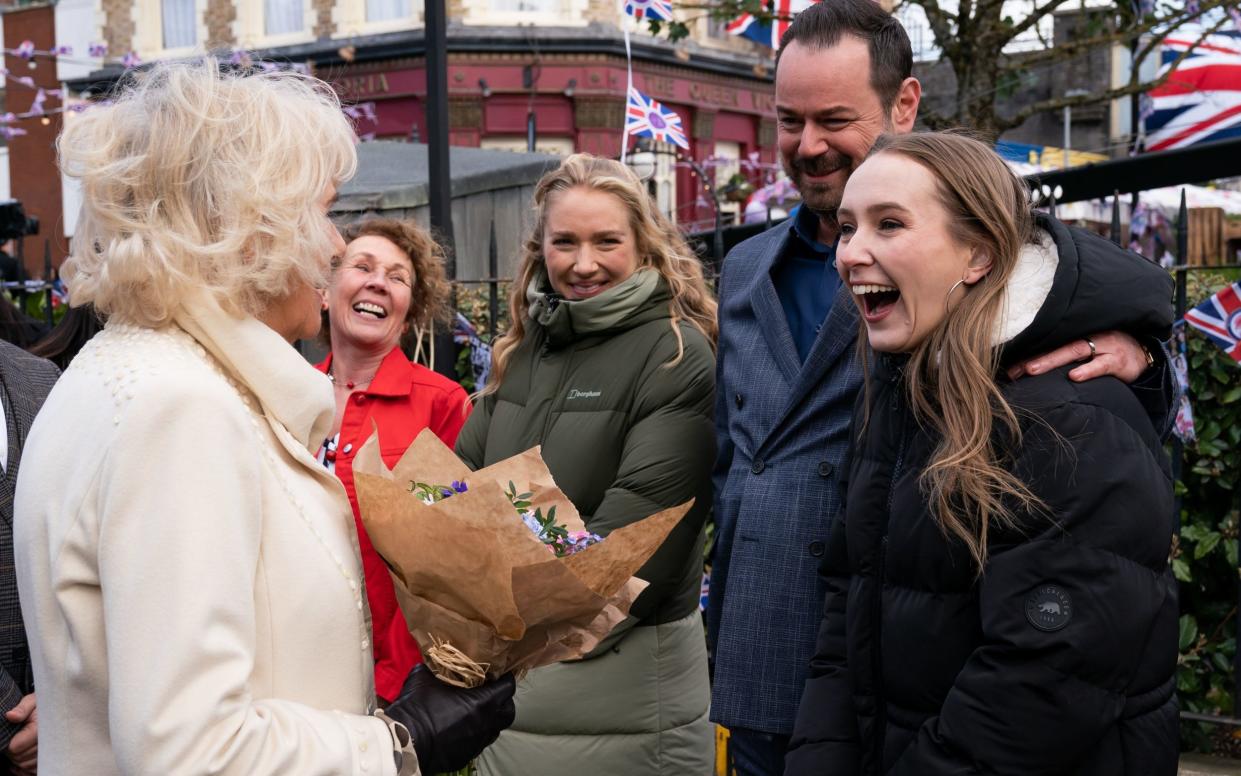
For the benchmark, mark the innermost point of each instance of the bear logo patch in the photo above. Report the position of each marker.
(1049, 608)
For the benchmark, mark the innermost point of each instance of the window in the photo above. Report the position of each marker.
(727, 164)
(180, 28)
(560, 146)
(281, 17)
(665, 179)
(527, 6)
(387, 10)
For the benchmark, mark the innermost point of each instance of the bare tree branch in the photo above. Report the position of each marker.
(939, 22)
(1070, 48)
(1038, 13)
(1135, 86)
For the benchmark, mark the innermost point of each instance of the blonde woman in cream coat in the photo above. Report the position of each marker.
(188, 572)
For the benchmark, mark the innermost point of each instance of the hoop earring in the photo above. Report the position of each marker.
(948, 296)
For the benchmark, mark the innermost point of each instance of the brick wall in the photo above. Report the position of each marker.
(118, 25)
(33, 174)
(219, 18)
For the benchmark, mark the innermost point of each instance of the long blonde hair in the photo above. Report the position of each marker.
(658, 244)
(951, 374)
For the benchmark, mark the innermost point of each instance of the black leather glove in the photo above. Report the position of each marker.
(449, 725)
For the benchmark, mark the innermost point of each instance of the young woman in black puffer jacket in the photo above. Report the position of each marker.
(999, 596)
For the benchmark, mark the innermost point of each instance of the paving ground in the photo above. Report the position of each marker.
(1198, 765)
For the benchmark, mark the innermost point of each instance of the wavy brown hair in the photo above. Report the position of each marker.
(658, 244)
(951, 373)
(429, 292)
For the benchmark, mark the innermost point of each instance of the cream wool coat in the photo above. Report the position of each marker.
(189, 574)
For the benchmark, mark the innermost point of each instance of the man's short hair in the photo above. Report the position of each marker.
(822, 25)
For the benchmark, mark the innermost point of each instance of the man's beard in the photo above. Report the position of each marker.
(822, 198)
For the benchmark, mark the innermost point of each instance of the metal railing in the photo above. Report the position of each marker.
(1181, 270)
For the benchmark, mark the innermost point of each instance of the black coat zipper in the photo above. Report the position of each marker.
(881, 706)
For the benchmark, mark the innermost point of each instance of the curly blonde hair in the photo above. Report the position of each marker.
(658, 244)
(194, 178)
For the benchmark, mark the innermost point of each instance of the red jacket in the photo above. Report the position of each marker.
(402, 399)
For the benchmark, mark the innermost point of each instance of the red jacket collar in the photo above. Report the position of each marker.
(394, 378)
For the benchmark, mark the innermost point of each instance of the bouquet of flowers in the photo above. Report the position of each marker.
(496, 572)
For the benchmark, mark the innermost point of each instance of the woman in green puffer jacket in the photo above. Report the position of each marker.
(610, 366)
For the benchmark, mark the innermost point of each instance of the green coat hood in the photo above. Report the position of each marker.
(640, 298)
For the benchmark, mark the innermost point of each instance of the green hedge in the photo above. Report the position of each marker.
(1205, 557)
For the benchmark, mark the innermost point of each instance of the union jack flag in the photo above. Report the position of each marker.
(769, 33)
(648, 118)
(60, 294)
(660, 10)
(1201, 100)
(1220, 319)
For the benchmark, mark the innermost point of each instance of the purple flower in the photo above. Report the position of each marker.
(531, 523)
(577, 541)
(98, 49)
(131, 60)
(459, 486)
(25, 50)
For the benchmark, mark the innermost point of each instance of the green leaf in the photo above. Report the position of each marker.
(1193, 532)
(1232, 396)
(1206, 544)
(1180, 570)
(1189, 631)
(1222, 663)
(1208, 431)
(1230, 552)
(1186, 680)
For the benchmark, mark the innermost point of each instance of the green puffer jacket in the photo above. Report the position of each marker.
(625, 436)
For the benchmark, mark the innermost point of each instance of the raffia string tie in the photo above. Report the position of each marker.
(452, 666)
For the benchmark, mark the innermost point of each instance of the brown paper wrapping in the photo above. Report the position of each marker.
(468, 572)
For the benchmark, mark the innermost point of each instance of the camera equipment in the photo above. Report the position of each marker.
(14, 222)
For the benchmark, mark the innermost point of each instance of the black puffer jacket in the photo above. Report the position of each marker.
(1060, 658)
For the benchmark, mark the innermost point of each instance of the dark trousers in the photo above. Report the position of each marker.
(755, 753)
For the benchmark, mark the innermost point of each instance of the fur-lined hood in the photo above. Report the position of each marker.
(1069, 284)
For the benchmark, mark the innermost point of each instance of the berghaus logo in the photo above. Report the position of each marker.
(575, 393)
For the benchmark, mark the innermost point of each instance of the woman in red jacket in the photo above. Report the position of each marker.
(389, 281)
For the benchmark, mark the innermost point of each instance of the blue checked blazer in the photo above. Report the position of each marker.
(782, 428)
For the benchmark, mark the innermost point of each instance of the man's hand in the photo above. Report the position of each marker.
(23, 751)
(1116, 354)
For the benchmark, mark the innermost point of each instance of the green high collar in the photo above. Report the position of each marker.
(639, 298)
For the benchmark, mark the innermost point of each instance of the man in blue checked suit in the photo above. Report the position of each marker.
(787, 374)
